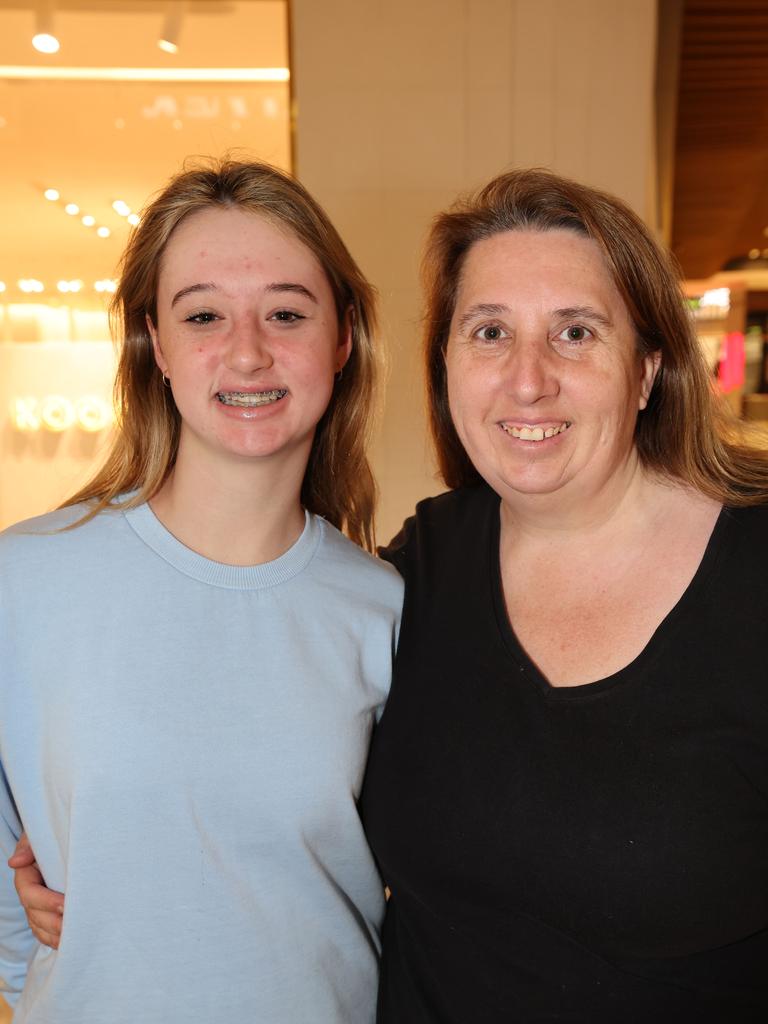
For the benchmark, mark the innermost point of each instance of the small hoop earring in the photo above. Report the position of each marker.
(166, 380)
(339, 375)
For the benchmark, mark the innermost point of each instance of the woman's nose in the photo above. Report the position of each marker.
(529, 370)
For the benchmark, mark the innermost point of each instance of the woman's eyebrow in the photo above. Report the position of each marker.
(480, 309)
(583, 313)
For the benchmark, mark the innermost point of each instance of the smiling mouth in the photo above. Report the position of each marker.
(251, 399)
(535, 433)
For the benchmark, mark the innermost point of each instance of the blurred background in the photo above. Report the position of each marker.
(386, 111)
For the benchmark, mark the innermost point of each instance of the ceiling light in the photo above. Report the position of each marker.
(169, 36)
(52, 194)
(44, 40)
(107, 285)
(2, 287)
(754, 254)
(15, 72)
(133, 219)
(103, 232)
(30, 284)
(72, 209)
(121, 207)
(88, 220)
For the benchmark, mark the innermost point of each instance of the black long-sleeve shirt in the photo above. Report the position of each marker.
(586, 854)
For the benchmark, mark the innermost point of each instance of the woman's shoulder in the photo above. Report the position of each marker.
(449, 513)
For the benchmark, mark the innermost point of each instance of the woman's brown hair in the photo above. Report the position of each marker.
(686, 432)
(338, 482)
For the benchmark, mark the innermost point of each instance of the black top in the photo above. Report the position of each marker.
(582, 854)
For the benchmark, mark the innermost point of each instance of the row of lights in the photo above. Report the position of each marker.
(31, 286)
(45, 40)
(119, 206)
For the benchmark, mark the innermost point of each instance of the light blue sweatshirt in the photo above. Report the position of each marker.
(184, 742)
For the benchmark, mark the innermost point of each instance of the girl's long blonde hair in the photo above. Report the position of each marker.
(338, 482)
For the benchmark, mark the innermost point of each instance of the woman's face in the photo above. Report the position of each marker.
(247, 332)
(544, 379)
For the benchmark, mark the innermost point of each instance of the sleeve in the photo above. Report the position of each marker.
(396, 552)
(17, 942)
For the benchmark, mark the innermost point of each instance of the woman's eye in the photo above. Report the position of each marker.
(201, 318)
(286, 316)
(575, 334)
(491, 332)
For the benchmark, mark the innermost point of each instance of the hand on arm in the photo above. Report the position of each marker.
(44, 907)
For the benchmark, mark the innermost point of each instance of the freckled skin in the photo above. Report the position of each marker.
(238, 334)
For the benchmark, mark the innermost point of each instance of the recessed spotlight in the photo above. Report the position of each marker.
(44, 42)
(133, 219)
(121, 207)
(88, 220)
(30, 284)
(72, 209)
(103, 232)
(169, 36)
(2, 287)
(107, 285)
(52, 194)
(754, 253)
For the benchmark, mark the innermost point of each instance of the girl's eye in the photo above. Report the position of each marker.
(201, 318)
(491, 332)
(286, 316)
(575, 334)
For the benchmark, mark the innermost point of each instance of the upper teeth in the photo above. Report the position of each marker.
(534, 433)
(250, 398)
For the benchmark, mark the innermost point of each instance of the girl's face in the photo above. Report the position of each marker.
(247, 332)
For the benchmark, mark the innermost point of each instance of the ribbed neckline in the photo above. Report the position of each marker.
(148, 527)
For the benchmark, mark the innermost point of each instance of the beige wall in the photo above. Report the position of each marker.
(401, 105)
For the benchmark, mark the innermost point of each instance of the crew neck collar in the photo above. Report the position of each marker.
(148, 527)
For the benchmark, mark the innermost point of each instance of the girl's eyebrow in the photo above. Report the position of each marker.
(289, 286)
(203, 286)
(277, 286)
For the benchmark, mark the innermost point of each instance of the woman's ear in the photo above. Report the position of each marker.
(346, 333)
(649, 368)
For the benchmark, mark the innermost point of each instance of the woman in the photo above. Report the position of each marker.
(193, 716)
(567, 791)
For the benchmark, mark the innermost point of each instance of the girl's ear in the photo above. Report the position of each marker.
(159, 357)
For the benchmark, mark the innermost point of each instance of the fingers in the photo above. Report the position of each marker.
(22, 856)
(44, 907)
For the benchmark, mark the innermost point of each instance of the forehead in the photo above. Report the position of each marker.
(229, 240)
(538, 265)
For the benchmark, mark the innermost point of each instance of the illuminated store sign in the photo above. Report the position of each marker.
(57, 413)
